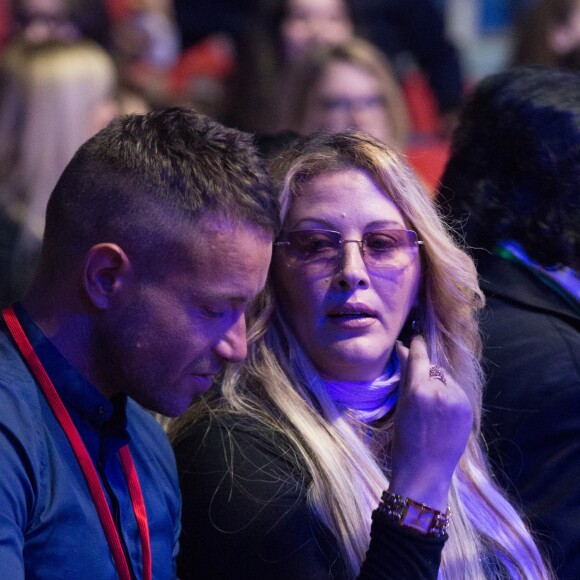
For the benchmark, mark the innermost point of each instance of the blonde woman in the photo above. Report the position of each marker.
(336, 451)
(54, 95)
(350, 85)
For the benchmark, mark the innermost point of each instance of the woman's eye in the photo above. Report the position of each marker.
(381, 242)
(315, 245)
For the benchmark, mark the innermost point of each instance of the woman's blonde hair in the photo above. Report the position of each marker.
(49, 97)
(301, 79)
(279, 387)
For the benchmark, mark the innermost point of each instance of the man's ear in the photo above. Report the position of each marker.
(106, 270)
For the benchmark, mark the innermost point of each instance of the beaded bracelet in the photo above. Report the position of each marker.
(412, 514)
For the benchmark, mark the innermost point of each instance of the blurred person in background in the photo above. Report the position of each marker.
(279, 31)
(344, 86)
(352, 85)
(54, 95)
(548, 33)
(41, 20)
(277, 34)
(146, 46)
(511, 186)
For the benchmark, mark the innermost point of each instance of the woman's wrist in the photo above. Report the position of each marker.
(416, 515)
(425, 487)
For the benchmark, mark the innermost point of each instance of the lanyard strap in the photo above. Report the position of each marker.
(85, 461)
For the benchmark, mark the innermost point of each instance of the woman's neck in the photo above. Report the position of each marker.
(368, 400)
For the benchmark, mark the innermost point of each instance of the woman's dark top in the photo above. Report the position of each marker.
(246, 515)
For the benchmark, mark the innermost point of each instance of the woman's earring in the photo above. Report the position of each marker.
(415, 330)
(411, 328)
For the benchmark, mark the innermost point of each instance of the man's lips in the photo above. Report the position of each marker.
(205, 379)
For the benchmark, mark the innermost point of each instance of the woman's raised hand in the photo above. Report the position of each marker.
(432, 423)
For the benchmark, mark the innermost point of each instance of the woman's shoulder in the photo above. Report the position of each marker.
(224, 440)
(245, 507)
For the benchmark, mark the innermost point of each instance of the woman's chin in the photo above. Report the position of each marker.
(353, 362)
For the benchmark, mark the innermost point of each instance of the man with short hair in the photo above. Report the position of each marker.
(158, 236)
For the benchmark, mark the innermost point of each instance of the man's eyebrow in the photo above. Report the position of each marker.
(223, 297)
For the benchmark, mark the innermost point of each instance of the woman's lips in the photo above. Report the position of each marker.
(351, 316)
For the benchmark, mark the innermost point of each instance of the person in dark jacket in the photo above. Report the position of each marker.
(512, 184)
(336, 450)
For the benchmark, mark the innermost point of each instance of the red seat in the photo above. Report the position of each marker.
(428, 160)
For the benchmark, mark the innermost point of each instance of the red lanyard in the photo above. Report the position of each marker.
(85, 461)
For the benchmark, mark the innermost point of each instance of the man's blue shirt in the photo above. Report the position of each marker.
(49, 527)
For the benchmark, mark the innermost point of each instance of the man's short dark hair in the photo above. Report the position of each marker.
(514, 170)
(122, 184)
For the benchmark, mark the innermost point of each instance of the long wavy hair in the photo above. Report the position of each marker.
(279, 387)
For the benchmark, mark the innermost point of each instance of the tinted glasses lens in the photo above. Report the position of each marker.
(322, 249)
(308, 246)
(389, 249)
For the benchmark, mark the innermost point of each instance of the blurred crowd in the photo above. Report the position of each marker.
(399, 70)
(499, 157)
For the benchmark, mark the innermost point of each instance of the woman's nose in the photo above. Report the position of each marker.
(352, 271)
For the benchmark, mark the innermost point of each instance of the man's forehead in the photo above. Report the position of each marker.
(218, 225)
(232, 253)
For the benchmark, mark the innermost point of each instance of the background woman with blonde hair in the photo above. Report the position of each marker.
(336, 451)
(352, 86)
(349, 85)
(54, 95)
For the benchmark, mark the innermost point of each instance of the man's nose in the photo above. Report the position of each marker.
(233, 345)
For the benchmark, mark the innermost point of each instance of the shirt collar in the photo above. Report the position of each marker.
(564, 279)
(74, 390)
